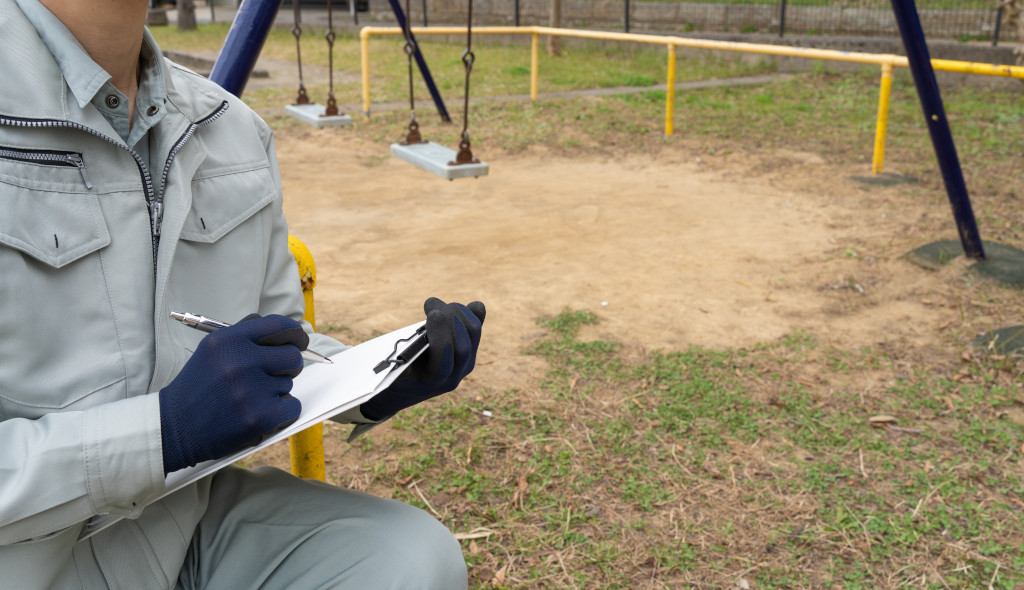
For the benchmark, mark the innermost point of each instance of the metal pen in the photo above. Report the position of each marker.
(205, 324)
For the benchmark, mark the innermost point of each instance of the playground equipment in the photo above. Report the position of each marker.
(1006, 264)
(429, 156)
(887, 62)
(313, 113)
(253, 20)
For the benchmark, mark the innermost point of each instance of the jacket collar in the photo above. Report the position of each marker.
(35, 88)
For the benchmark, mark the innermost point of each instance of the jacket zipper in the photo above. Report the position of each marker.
(154, 197)
(157, 211)
(53, 158)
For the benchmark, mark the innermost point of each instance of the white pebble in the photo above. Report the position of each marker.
(487, 413)
(604, 304)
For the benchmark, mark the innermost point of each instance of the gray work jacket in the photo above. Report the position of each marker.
(95, 251)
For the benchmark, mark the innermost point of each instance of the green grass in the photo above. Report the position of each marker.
(687, 465)
(499, 70)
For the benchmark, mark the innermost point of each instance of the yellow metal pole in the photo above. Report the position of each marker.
(364, 60)
(670, 94)
(534, 65)
(883, 118)
(307, 447)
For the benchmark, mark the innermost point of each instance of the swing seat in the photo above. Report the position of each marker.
(435, 159)
(312, 113)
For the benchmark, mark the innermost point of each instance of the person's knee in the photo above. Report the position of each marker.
(430, 556)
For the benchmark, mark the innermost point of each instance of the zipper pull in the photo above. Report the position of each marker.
(79, 162)
(156, 216)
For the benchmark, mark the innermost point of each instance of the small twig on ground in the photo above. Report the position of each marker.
(424, 498)
(477, 533)
(927, 497)
(558, 555)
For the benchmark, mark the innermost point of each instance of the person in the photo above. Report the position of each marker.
(130, 187)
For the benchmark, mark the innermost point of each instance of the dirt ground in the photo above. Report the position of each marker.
(672, 249)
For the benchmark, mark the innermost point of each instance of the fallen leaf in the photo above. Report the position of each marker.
(882, 419)
(499, 576)
(520, 492)
(474, 549)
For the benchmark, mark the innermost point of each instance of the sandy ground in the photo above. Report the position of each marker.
(670, 250)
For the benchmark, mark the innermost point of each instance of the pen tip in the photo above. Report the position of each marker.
(177, 315)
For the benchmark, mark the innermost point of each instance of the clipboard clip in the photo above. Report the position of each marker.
(416, 341)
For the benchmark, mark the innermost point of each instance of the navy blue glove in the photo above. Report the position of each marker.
(453, 332)
(233, 391)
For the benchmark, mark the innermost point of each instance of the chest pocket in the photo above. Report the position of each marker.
(58, 339)
(223, 245)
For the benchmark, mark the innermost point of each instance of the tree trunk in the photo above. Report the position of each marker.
(554, 43)
(1013, 19)
(187, 15)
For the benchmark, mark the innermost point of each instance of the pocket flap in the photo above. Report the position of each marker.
(52, 227)
(221, 203)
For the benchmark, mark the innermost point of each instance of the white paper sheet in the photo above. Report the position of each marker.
(324, 390)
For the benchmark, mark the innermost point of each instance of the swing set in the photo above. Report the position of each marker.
(426, 155)
(312, 113)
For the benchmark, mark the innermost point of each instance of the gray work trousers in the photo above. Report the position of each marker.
(266, 529)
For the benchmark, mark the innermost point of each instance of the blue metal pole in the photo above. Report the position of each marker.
(400, 16)
(938, 125)
(245, 40)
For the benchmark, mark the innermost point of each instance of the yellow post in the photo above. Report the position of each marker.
(534, 65)
(307, 447)
(883, 118)
(670, 94)
(364, 60)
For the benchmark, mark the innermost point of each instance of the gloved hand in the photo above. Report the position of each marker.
(233, 391)
(453, 332)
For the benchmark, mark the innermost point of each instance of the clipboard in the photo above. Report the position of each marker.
(325, 390)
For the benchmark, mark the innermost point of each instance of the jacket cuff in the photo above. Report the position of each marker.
(123, 455)
(354, 416)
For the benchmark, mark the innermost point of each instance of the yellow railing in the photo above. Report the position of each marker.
(307, 447)
(886, 61)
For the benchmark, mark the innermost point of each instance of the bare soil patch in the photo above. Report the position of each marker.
(670, 250)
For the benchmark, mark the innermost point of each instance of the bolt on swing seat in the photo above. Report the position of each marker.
(313, 113)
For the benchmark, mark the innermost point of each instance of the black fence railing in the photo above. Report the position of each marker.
(959, 20)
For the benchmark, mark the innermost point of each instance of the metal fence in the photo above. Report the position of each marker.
(959, 20)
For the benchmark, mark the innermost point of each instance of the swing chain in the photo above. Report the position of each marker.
(332, 104)
(302, 97)
(465, 154)
(413, 136)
